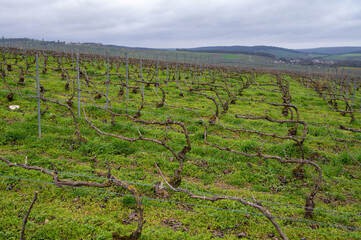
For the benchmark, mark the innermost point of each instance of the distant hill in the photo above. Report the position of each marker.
(229, 51)
(267, 51)
(346, 55)
(330, 50)
(263, 55)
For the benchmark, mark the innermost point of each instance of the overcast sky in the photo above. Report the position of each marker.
(186, 23)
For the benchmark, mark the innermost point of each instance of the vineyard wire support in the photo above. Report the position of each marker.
(157, 71)
(341, 82)
(107, 82)
(78, 84)
(354, 89)
(176, 69)
(166, 59)
(127, 75)
(141, 74)
(348, 81)
(38, 94)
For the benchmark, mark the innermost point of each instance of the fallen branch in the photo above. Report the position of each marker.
(111, 181)
(27, 215)
(309, 206)
(255, 205)
(349, 129)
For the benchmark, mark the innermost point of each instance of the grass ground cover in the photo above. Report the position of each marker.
(199, 97)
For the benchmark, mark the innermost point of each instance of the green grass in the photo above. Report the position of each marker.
(86, 213)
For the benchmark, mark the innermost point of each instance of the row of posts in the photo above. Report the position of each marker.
(334, 82)
(78, 84)
(43, 48)
(334, 78)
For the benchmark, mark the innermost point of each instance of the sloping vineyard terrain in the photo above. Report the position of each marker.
(131, 148)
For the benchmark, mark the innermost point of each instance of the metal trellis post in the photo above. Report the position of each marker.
(107, 82)
(348, 81)
(166, 59)
(77, 82)
(157, 71)
(341, 82)
(354, 89)
(38, 94)
(141, 75)
(176, 70)
(127, 75)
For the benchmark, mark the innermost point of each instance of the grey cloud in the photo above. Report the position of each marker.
(186, 23)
